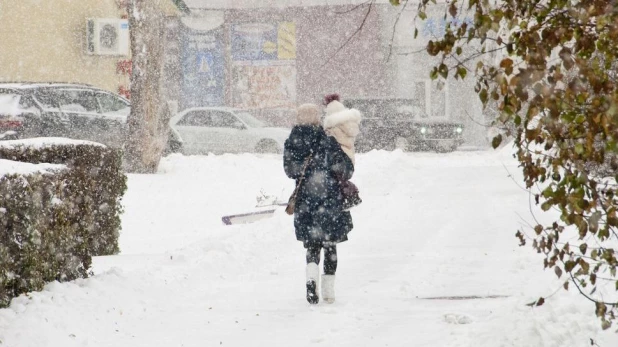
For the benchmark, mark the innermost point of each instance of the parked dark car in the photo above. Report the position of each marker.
(399, 123)
(76, 111)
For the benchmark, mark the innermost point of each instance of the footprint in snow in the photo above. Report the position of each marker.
(453, 318)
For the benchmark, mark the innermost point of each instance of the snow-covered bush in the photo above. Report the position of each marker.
(53, 221)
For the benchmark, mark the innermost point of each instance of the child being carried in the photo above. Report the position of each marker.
(343, 124)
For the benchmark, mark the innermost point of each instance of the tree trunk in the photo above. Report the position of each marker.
(147, 123)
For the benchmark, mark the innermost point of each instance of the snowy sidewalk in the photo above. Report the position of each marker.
(430, 226)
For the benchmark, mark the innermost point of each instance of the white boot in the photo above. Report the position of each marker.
(328, 288)
(313, 274)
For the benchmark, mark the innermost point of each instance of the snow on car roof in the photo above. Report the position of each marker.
(28, 86)
(34, 85)
(24, 85)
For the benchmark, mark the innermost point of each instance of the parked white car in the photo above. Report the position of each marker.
(219, 130)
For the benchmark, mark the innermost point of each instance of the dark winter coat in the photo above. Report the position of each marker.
(319, 216)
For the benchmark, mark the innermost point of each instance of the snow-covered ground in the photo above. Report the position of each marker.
(431, 225)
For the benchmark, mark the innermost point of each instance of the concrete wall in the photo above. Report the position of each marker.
(334, 57)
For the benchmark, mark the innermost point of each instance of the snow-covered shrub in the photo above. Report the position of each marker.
(35, 243)
(51, 224)
(96, 178)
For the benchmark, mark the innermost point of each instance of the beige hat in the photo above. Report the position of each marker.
(308, 114)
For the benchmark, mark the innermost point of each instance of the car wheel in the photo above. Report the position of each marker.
(267, 146)
(172, 147)
(9, 135)
(442, 148)
(362, 148)
(401, 143)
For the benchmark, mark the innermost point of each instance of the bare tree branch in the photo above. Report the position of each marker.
(488, 125)
(420, 50)
(390, 45)
(358, 30)
(354, 8)
(611, 304)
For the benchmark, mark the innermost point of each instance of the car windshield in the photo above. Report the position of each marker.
(250, 120)
(48, 98)
(409, 109)
(9, 103)
(13, 103)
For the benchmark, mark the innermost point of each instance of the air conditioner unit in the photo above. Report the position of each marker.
(107, 36)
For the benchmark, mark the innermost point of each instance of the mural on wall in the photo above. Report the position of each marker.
(203, 65)
(435, 27)
(264, 86)
(263, 41)
(264, 65)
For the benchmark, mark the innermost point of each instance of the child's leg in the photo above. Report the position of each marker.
(313, 254)
(313, 273)
(328, 278)
(330, 259)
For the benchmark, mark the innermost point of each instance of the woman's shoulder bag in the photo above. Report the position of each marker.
(292, 201)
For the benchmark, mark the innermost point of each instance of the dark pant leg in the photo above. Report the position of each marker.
(313, 254)
(330, 259)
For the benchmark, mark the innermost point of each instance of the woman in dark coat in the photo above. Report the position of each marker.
(319, 218)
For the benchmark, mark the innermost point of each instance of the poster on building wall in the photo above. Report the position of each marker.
(263, 68)
(263, 41)
(203, 64)
(286, 41)
(270, 86)
(435, 27)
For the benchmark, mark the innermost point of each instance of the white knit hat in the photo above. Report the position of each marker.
(334, 107)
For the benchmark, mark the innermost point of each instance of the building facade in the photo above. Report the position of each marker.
(52, 41)
(270, 56)
(271, 59)
(411, 65)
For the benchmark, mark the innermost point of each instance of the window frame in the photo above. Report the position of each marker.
(118, 99)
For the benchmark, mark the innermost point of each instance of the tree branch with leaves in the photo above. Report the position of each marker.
(556, 89)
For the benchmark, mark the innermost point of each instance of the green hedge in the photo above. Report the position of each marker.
(51, 224)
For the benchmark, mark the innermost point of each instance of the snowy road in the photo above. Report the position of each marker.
(431, 225)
